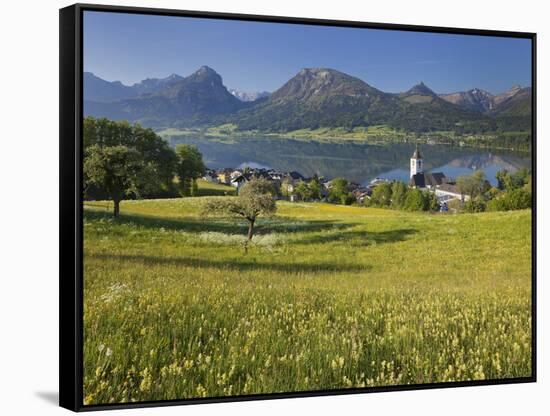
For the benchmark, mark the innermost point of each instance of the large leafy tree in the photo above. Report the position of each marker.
(382, 194)
(123, 160)
(302, 191)
(509, 181)
(398, 194)
(339, 192)
(315, 188)
(415, 201)
(117, 170)
(190, 167)
(255, 199)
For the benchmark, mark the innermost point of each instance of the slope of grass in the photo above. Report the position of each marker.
(327, 297)
(206, 188)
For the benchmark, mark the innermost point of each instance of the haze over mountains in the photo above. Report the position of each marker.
(97, 89)
(313, 98)
(249, 96)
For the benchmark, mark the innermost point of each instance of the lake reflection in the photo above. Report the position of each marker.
(357, 162)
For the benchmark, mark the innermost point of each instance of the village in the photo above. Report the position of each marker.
(288, 183)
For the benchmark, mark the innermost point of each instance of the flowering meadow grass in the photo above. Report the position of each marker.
(328, 297)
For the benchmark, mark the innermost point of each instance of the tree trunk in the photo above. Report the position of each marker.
(250, 229)
(250, 235)
(117, 207)
(187, 186)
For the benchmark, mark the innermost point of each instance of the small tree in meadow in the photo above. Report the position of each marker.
(255, 199)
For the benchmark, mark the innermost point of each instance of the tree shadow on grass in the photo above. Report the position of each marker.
(321, 231)
(241, 265)
(221, 225)
(359, 238)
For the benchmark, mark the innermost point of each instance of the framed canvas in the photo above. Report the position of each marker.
(257, 207)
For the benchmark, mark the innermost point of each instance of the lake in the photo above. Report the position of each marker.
(357, 162)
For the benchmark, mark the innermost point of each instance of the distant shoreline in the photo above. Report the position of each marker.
(339, 136)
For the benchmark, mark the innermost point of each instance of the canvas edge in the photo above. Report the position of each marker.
(70, 258)
(70, 165)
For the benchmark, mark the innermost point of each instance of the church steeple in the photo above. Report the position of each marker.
(417, 164)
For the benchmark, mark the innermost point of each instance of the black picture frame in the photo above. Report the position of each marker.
(71, 207)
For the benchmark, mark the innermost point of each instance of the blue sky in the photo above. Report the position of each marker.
(254, 56)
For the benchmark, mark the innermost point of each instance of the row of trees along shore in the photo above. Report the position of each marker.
(513, 191)
(385, 195)
(128, 161)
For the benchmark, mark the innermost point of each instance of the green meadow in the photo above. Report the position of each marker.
(205, 188)
(328, 297)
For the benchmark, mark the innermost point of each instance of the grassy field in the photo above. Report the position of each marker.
(327, 297)
(206, 188)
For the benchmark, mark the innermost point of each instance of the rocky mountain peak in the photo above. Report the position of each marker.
(420, 89)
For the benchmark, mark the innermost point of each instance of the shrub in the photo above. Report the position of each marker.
(516, 199)
(474, 205)
(415, 201)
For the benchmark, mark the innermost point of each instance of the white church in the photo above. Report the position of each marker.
(445, 189)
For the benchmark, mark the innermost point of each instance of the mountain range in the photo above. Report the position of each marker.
(512, 101)
(313, 98)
